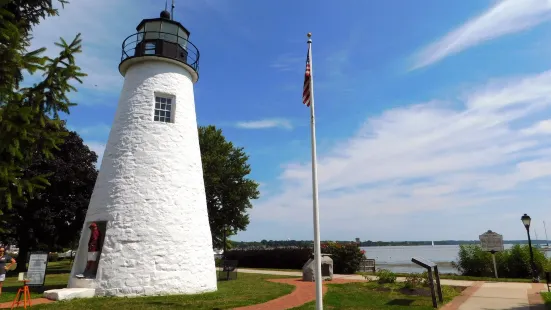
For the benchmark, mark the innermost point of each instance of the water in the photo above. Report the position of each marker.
(398, 258)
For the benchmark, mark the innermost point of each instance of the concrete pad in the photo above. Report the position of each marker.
(512, 285)
(75, 282)
(462, 283)
(477, 303)
(69, 293)
(506, 293)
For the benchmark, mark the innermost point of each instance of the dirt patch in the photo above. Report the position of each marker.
(382, 289)
(425, 291)
(418, 291)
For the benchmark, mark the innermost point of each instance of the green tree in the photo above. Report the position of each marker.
(511, 263)
(52, 219)
(228, 190)
(26, 112)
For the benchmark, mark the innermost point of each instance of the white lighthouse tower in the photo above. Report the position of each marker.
(149, 202)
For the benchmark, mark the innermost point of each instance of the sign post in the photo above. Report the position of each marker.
(492, 242)
(36, 273)
(430, 266)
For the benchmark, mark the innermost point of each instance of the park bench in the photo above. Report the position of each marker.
(228, 270)
(367, 265)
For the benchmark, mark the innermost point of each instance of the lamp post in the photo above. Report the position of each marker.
(526, 221)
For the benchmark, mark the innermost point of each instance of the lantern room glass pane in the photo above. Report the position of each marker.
(169, 32)
(182, 38)
(152, 30)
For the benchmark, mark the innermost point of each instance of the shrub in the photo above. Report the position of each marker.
(346, 256)
(13, 255)
(473, 261)
(414, 280)
(425, 279)
(274, 258)
(511, 263)
(386, 276)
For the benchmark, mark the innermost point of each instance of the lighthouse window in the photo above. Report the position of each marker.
(163, 109)
(149, 48)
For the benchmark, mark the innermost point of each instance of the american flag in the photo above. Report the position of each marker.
(306, 96)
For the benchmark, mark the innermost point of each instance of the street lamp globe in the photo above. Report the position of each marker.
(526, 220)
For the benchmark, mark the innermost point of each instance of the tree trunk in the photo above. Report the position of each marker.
(23, 244)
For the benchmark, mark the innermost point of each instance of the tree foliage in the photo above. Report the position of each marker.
(26, 112)
(228, 189)
(511, 263)
(52, 218)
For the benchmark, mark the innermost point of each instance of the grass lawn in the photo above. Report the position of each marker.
(465, 278)
(57, 275)
(373, 296)
(547, 299)
(275, 269)
(248, 289)
(442, 276)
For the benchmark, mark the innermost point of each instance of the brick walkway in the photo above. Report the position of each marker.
(304, 292)
(34, 301)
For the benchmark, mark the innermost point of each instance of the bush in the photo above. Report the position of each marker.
(13, 255)
(425, 279)
(346, 256)
(275, 258)
(414, 280)
(511, 263)
(386, 276)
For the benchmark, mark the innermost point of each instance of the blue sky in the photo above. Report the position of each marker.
(432, 116)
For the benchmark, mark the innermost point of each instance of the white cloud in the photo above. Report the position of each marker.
(266, 123)
(505, 17)
(104, 25)
(289, 62)
(95, 130)
(424, 157)
(542, 127)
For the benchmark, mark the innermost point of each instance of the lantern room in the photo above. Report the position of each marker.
(160, 37)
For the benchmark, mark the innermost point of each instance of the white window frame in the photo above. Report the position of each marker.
(163, 103)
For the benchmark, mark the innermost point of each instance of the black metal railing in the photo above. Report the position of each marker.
(162, 44)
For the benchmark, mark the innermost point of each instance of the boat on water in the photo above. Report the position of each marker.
(545, 247)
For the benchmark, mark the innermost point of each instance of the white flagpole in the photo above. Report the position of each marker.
(317, 248)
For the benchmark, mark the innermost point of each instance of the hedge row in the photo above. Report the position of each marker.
(346, 257)
(275, 258)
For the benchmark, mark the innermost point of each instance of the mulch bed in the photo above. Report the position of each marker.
(417, 291)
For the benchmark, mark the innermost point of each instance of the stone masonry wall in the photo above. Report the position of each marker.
(150, 189)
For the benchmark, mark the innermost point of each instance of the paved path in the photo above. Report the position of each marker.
(500, 295)
(478, 295)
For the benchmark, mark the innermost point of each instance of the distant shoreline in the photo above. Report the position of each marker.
(369, 243)
(436, 243)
